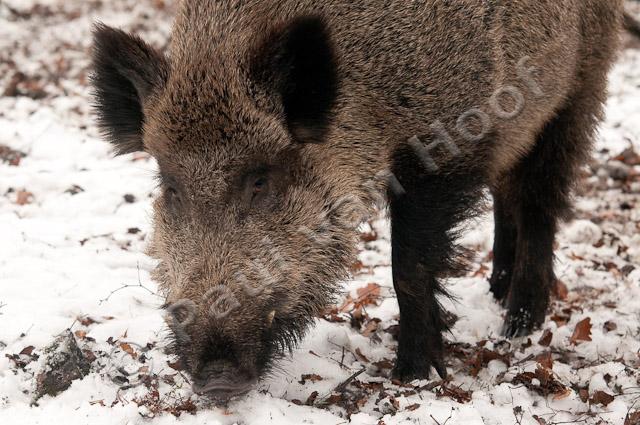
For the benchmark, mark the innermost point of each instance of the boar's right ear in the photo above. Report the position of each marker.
(126, 71)
(297, 63)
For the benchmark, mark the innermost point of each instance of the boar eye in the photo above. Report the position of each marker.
(258, 189)
(259, 185)
(172, 198)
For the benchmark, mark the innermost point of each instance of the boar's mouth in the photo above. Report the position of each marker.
(220, 389)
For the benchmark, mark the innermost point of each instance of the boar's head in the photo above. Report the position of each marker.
(250, 235)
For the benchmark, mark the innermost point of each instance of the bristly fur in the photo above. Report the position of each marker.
(126, 70)
(298, 63)
(251, 212)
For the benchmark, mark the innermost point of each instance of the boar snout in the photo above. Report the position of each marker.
(221, 380)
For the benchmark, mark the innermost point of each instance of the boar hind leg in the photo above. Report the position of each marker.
(423, 252)
(538, 193)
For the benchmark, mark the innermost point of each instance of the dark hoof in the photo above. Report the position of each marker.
(407, 371)
(499, 285)
(520, 325)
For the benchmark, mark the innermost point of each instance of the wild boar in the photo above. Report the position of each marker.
(278, 126)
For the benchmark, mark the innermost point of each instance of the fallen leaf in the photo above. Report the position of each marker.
(610, 326)
(128, 349)
(370, 328)
(413, 407)
(369, 236)
(384, 364)
(309, 377)
(584, 395)
(562, 394)
(23, 197)
(86, 321)
(455, 393)
(81, 334)
(632, 418)
(177, 365)
(545, 359)
(368, 295)
(560, 320)
(582, 332)
(600, 397)
(312, 398)
(361, 356)
(560, 290)
(545, 339)
(27, 350)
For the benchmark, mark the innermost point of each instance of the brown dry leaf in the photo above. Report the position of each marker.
(370, 328)
(81, 334)
(128, 349)
(361, 356)
(11, 156)
(369, 236)
(455, 393)
(23, 197)
(560, 319)
(27, 350)
(482, 358)
(545, 339)
(584, 394)
(311, 399)
(175, 365)
(539, 420)
(563, 394)
(632, 418)
(582, 332)
(357, 267)
(545, 359)
(413, 407)
(368, 295)
(384, 364)
(482, 271)
(610, 326)
(86, 321)
(560, 290)
(546, 382)
(309, 377)
(600, 397)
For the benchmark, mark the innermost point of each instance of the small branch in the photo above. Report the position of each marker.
(445, 422)
(138, 285)
(343, 385)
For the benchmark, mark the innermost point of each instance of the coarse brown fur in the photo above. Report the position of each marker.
(273, 121)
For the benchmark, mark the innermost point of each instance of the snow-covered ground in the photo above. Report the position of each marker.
(73, 226)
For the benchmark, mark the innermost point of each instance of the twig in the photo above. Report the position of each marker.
(445, 422)
(343, 385)
(138, 285)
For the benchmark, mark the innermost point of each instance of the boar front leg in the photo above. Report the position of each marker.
(423, 252)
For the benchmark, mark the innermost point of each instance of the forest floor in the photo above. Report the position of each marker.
(74, 223)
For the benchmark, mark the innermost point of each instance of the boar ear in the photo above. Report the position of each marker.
(298, 62)
(126, 71)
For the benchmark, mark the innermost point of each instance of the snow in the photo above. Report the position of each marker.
(73, 257)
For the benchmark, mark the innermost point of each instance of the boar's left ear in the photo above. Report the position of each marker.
(297, 61)
(126, 71)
